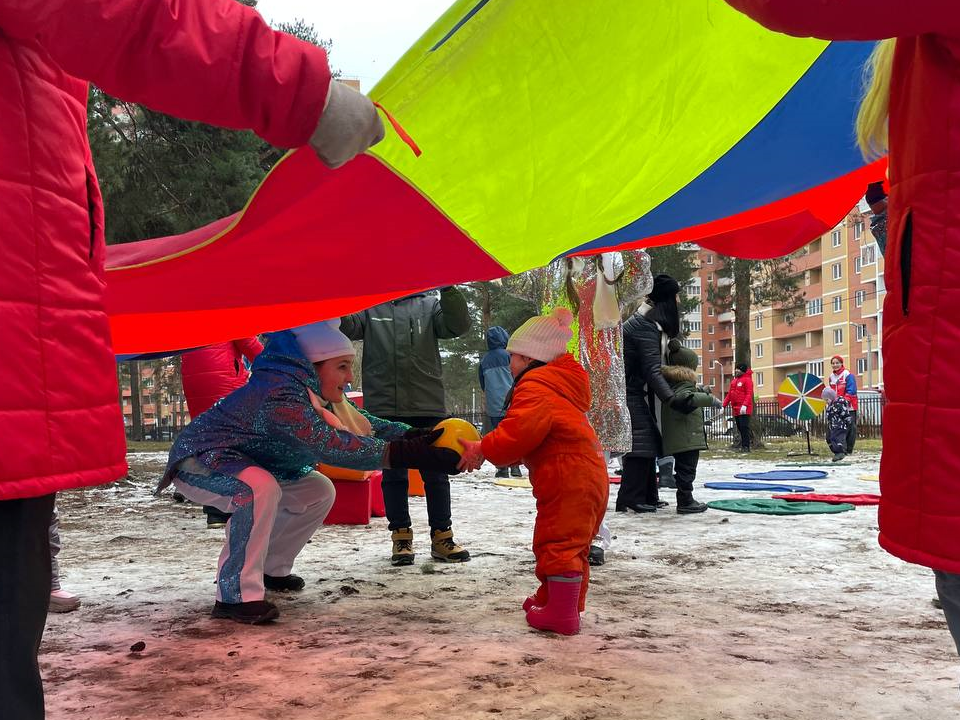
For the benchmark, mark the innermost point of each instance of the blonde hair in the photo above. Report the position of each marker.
(873, 115)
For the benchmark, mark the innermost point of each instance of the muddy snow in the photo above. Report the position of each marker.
(719, 615)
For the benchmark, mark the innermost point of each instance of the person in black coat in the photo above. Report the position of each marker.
(645, 338)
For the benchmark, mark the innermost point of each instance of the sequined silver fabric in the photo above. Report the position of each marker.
(600, 349)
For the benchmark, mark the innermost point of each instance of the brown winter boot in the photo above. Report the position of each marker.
(445, 548)
(402, 547)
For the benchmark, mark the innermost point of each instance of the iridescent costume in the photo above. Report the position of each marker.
(598, 342)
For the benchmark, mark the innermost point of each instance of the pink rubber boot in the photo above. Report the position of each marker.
(538, 599)
(560, 614)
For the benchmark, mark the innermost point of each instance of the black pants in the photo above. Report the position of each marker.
(24, 599)
(685, 469)
(638, 483)
(743, 425)
(436, 487)
(852, 432)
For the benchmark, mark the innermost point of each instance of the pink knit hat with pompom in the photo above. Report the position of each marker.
(544, 337)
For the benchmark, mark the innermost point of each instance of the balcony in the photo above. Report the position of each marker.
(809, 261)
(726, 317)
(798, 356)
(801, 324)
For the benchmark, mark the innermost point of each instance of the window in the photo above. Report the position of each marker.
(868, 255)
(710, 311)
(759, 350)
(710, 278)
(693, 290)
(859, 297)
(861, 332)
(709, 329)
(835, 238)
(700, 378)
(837, 271)
(838, 336)
(696, 309)
(759, 378)
(857, 265)
(837, 303)
(858, 230)
(815, 306)
(815, 368)
(710, 347)
(713, 382)
(709, 259)
(693, 343)
(692, 325)
(759, 322)
(788, 347)
(861, 366)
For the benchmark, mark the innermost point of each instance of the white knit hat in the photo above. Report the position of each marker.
(544, 337)
(323, 340)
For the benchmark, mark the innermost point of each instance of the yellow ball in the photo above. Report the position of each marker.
(453, 430)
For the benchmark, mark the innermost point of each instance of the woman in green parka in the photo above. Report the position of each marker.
(683, 433)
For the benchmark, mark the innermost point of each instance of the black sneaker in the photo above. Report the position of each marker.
(515, 471)
(255, 612)
(215, 518)
(595, 556)
(503, 472)
(284, 583)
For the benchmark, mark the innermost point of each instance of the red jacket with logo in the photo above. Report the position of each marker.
(920, 468)
(215, 61)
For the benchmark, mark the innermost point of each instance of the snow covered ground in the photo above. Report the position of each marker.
(719, 615)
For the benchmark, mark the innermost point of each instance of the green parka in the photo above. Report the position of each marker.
(681, 431)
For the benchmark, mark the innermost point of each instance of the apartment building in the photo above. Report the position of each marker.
(841, 276)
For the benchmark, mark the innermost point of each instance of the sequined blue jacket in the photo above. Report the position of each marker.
(270, 422)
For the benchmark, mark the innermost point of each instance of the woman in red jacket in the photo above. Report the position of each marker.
(911, 111)
(546, 427)
(215, 61)
(740, 398)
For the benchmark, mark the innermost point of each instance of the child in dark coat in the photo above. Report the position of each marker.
(683, 433)
(838, 422)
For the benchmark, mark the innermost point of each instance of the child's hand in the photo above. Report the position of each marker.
(472, 457)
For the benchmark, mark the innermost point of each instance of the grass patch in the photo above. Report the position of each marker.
(790, 449)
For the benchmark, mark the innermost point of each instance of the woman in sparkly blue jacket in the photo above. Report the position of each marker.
(253, 455)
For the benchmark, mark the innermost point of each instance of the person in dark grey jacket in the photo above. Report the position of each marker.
(645, 338)
(403, 381)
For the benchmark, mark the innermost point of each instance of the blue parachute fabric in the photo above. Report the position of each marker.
(783, 475)
(762, 487)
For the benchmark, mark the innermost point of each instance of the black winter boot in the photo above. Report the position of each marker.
(686, 505)
(503, 472)
(255, 612)
(283, 583)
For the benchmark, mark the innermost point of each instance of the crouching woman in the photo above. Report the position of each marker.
(253, 453)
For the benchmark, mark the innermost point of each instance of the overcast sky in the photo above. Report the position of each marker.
(369, 36)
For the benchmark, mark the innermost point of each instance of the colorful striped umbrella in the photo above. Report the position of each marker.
(544, 128)
(799, 396)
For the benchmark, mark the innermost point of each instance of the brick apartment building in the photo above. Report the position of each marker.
(841, 277)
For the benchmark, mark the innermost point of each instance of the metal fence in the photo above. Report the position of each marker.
(773, 423)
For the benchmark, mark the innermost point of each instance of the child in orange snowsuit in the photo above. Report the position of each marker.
(546, 428)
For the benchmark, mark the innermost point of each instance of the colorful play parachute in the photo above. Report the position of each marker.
(546, 128)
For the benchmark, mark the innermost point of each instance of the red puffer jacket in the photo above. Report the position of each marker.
(920, 468)
(215, 371)
(741, 393)
(210, 60)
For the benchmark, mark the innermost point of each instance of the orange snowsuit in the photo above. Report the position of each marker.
(546, 428)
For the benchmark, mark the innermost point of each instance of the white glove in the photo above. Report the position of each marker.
(349, 125)
(743, 409)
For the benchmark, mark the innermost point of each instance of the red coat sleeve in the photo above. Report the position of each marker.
(524, 428)
(248, 347)
(854, 19)
(215, 61)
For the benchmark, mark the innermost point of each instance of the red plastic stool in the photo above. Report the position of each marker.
(377, 507)
(352, 504)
